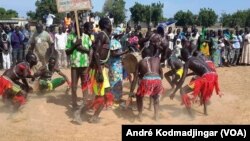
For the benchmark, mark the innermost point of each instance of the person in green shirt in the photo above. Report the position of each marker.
(80, 58)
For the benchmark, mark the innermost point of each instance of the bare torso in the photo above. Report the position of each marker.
(18, 72)
(149, 66)
(104, 50)
(199, 67)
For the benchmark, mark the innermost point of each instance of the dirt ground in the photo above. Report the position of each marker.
(48, 117)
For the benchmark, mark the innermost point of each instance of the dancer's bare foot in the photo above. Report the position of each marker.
(77, 117)
(140, 117)
(93, 119)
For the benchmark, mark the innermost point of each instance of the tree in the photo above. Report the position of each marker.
(137, 13)
(147, 13)
(207, 17)
(99, 14)
(157, 12)
(247, 24)
(115, 8)
(239, 18)
(184, 18)
(44, 6)
(147, 16)
(119, 11)
(12, 13)
(225, 19)
(31, 14)
(7, 14)
(107, 7)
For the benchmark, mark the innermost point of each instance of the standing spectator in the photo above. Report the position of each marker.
(149, 32)
(241, 34)
(17, 45)
(204, 42)
(40, 42)
(80, 61)
(137, 31)
(215, 50)
(5, 49)
(91, 18)
(27, 34)
(115, 69)
(194, 39)
(177, 48)
(176, 36)
(227, 48)
(245, 59)
(125, 37)
(235, 51)
(1, 34)
(49, 19)
(71, 39)
(8, 32)
(171, 38)
(52, 50)
(1, 31)
(67, 20)
(60, 46)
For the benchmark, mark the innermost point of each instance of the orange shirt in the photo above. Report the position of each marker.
(67, 21)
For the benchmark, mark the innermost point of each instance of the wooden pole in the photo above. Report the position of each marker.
(77, 24)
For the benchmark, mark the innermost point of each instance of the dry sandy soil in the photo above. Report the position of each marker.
(48, 117)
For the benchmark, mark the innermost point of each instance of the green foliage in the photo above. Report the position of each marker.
(239, 18)
(107, 7)
(42, 6)
(99, 14)
(119, 11)
(247, 24)
(117, 8)
(147, 13)
(138, 13)
(7, 14)
(156, 12)
(207, 17)
(184, 18)
(31, 14)
(225, 19)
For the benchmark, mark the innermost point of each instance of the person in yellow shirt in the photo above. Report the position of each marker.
(96, 29)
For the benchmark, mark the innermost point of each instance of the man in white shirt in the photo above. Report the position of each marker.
(49, 19)
(235, 51)
(60, 46)
(171, 38)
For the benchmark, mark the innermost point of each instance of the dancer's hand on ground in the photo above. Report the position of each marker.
(29, 89)
(172, 96)
(220, 94)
